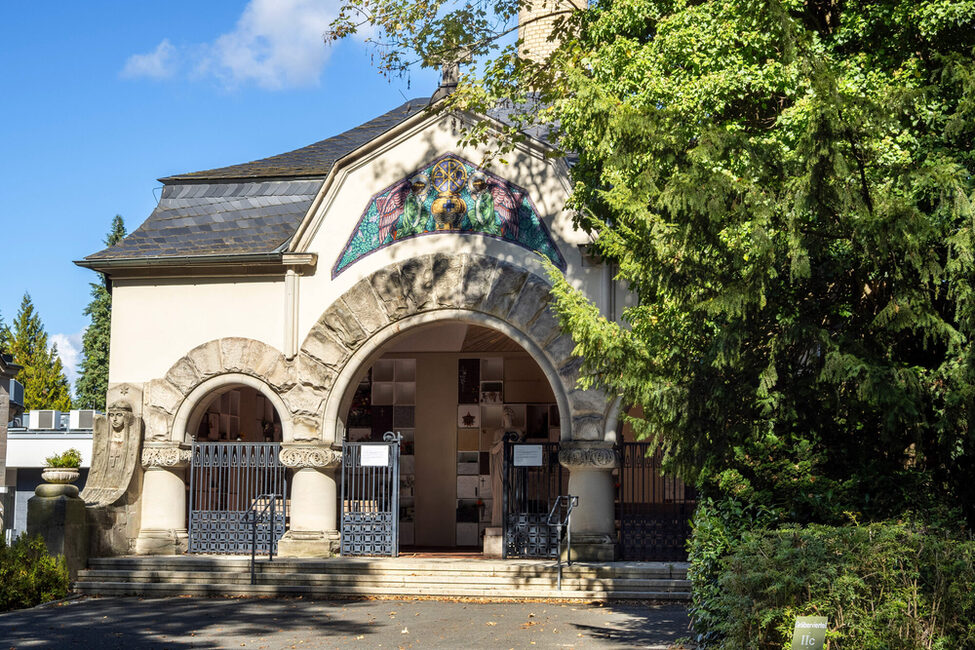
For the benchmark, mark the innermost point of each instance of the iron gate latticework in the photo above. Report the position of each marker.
(370, 497)
(532, 481)
(654, 510)
(226, 479)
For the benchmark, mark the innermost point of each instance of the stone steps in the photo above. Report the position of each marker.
(434, 577)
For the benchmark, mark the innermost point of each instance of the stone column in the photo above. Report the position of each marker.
(593, 528)
(314, 522)
(163, 530)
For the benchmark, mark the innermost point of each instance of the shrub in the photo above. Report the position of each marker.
(69, 458)
(28, 575)
(718, 526)
(884, 586)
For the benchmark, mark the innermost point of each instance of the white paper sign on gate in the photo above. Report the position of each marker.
(374, 455)
(528, 455)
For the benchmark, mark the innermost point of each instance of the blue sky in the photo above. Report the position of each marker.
(102, 98)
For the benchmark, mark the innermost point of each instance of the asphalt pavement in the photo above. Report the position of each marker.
(272, 623)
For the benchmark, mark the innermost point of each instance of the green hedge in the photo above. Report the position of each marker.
(883, 586)
(28, 575)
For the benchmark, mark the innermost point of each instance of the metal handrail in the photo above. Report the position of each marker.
(270, 500)
(571, 502)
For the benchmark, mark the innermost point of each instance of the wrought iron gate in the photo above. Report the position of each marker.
(370, 497)
(654, 510)
(532, 480)
(226, 480)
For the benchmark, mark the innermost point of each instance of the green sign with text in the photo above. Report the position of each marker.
(810, 633)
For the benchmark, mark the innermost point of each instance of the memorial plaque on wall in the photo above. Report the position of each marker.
(468, 380)
(382, 421)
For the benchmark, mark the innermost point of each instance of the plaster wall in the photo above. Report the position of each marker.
(155, 322)
(436, 449)
(344, 202)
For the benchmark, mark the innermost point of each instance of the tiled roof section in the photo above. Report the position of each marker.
(315, 159)
(218, 219)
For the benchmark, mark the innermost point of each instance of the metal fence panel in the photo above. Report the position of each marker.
(654, 510)
(225, 480)
(370, 498)
(529, 491)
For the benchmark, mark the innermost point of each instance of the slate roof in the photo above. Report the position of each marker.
(254, 207)
(218, 219)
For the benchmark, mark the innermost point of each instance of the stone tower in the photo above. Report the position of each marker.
(535, 25)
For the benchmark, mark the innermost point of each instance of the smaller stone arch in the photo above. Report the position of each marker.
(291, 386)
(191, 411)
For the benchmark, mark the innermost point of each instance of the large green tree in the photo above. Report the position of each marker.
(787, 188)
(45, 385)
(92, 385)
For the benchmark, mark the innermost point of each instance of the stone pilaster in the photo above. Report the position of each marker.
(163, 530)
(591, 465)
(314, 523)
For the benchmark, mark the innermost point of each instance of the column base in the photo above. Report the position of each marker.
(493, 542)
(160, 542)
(309, 543)
(591, 548)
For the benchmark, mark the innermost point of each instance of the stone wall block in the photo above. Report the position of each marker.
(307, 427)
(340, 322)
(534, 297)
(417, 276)
(569, 373)
(479, 276)
(588, 426)
(183, 375)
(505, 291)
(163, 395)
(545, 328)
(262, 358)
(234, 352)
(281, 375)
(363, 303)
(559, 350)
(388, 285)
(591, 401)
(206, 359)
(325, 349)
(304, 400)
(312, 373)
(448, 276)
(159, 424)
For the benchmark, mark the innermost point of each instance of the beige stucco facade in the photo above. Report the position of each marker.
(302, 336)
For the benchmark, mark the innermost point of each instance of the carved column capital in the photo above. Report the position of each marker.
(165, 456)
(316, 456)
(579, 456)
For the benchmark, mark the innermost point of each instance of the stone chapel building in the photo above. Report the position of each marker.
(379, 280)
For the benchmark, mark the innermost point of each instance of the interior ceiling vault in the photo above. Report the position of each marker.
(485, 339)
(453, 337)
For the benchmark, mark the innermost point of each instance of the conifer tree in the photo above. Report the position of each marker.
(787, 187)
(45, 385)
(92, 385)
(4, 336)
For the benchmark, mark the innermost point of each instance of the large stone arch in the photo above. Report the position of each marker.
(459, 287)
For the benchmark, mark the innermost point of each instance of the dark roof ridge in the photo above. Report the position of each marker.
(311, 161)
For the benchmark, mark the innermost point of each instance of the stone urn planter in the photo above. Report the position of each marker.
(60, 475)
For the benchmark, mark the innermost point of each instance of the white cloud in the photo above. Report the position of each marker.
(158, 64)
(275, 44)
(69, 350)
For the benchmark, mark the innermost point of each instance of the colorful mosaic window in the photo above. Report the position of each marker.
(450, 195)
